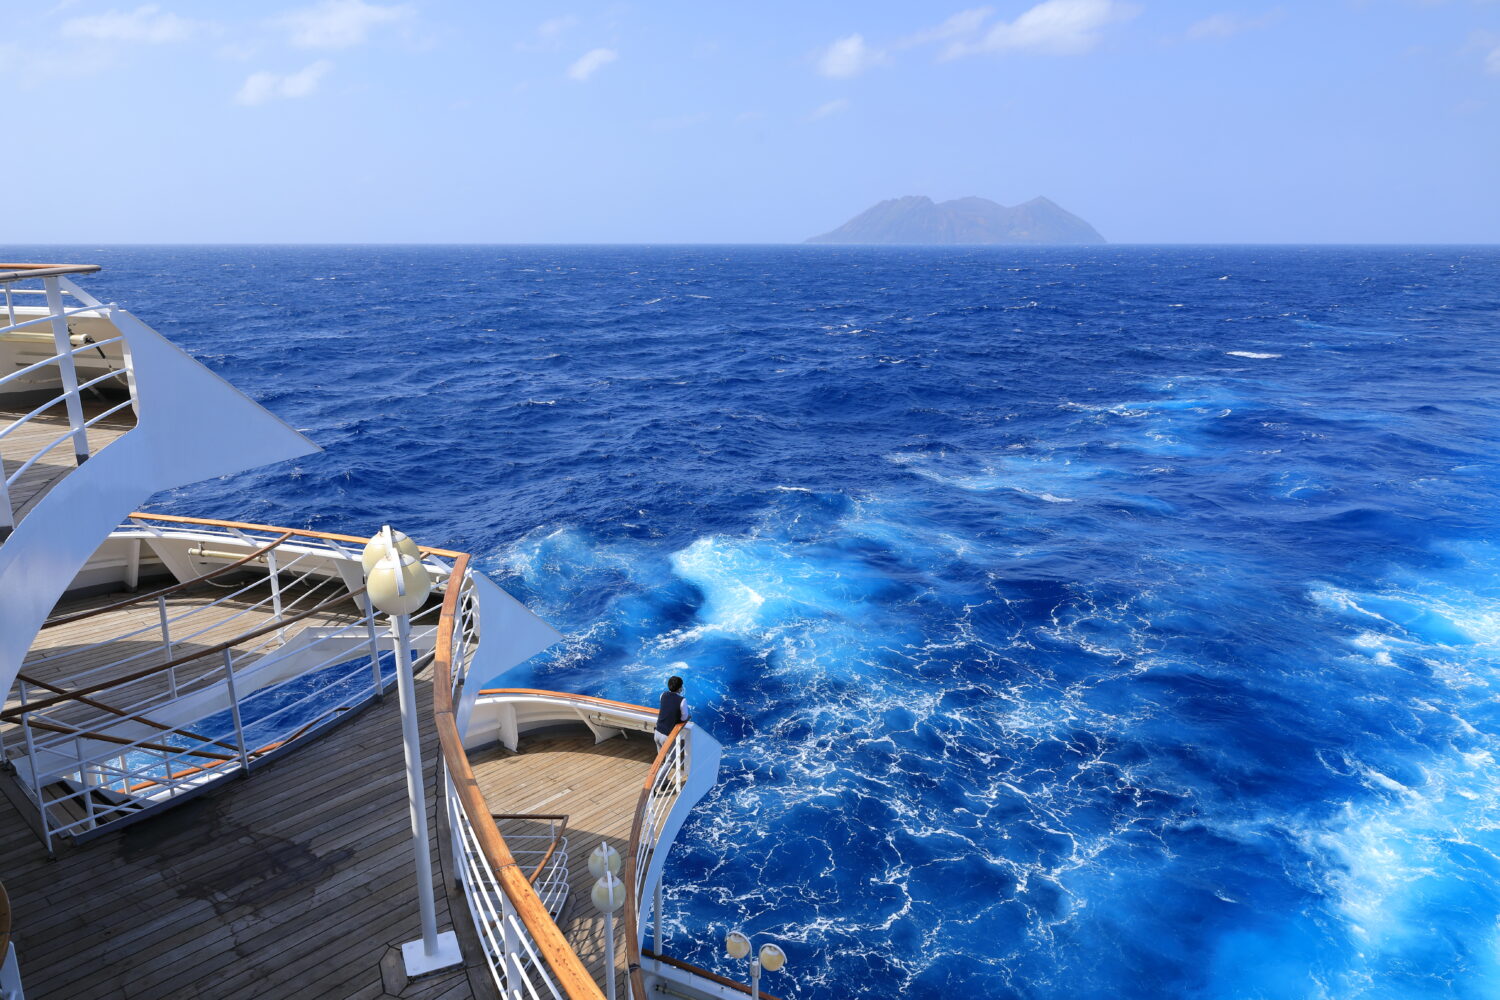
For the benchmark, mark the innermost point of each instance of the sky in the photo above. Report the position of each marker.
(436, 121)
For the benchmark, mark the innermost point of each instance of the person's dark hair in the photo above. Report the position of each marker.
(674, 684)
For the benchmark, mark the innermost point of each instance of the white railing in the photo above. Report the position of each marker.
(66, 348)
(111, 745)
(526, 954)
(659, 797)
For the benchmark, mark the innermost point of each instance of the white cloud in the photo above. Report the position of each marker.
(1226, 25)
(262, 87)
(338, 24)
(1492, 61)
(965, 22)
(1061, 27)
(848, 57)
(831, 108)
(148, 23)
(591, 62)
(553, 27)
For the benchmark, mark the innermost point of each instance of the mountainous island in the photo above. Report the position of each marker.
(918, 219)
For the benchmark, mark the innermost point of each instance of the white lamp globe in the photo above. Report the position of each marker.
(604, 859)
(377, 548)
(772, 957)
(398, 584)
(608, 894)
(736, 944)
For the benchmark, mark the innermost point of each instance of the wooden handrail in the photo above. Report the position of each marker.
(120, 741)
(257, 752)
(556, 836)
(19, 272)
(633, 905)
(564, 696)
(571, 976)
(12, 714)
(112, 710)
(250, 526)
(699, 971)
(79, 616)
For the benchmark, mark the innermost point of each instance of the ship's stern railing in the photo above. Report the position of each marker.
(45, 329)
(524, 950)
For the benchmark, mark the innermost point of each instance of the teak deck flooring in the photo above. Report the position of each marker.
(295, 882)
(17, 448)
(298, 881)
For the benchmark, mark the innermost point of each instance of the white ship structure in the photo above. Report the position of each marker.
(210, 791)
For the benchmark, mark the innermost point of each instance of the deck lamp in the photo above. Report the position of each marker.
(770, 958)
(604, 858)
(608, 896)
(398, 584)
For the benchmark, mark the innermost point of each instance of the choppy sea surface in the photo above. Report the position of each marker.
(1117, 622)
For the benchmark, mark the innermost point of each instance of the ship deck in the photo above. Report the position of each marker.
(58, 461)
(295, 882)
(596, 787)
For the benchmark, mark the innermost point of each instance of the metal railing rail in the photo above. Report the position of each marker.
(65, 358)
(659, 792)
(526, 953)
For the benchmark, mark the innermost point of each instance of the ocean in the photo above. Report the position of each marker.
(1108, 622)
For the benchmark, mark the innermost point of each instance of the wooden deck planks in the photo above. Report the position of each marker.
(293, 883)
(18, 447)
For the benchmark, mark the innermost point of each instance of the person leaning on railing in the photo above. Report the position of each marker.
(673, 711)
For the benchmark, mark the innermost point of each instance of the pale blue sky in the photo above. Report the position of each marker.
(449, 121)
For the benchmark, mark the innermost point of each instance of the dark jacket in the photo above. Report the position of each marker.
(670, 714)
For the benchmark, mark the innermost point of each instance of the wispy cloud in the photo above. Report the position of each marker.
(831, 108)
(963, 24)
(1492, 61)
(339, 24)
(1060, 27)
(262, 87)
(590, 63)
(552, 27)
(1228, 25)
(147, 23)
(848, 57)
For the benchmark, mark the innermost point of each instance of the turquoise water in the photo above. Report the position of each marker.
(1116, 622)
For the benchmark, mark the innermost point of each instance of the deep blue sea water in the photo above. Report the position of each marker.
(1117, 622)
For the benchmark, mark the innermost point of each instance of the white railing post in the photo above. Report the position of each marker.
(656, 920)
(36, 778)
(275, 592)
(234, 710)
(87, 781)
(67, 369)
(374, 647)
(7, 513)
(166, 642)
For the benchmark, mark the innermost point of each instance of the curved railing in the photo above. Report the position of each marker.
(525, 950)
(120, 737)
(659, 792)
(66, 348)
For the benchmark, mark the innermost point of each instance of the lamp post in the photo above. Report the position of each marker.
(770, 958)
(397, 584)
(608, 895)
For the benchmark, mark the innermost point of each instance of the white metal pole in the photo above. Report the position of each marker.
(416, 794)
(755, 979)
(609, 950)
(656, 921)
(62, 341)
(234, 710)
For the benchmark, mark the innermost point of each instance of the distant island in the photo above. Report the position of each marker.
(918, 219)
